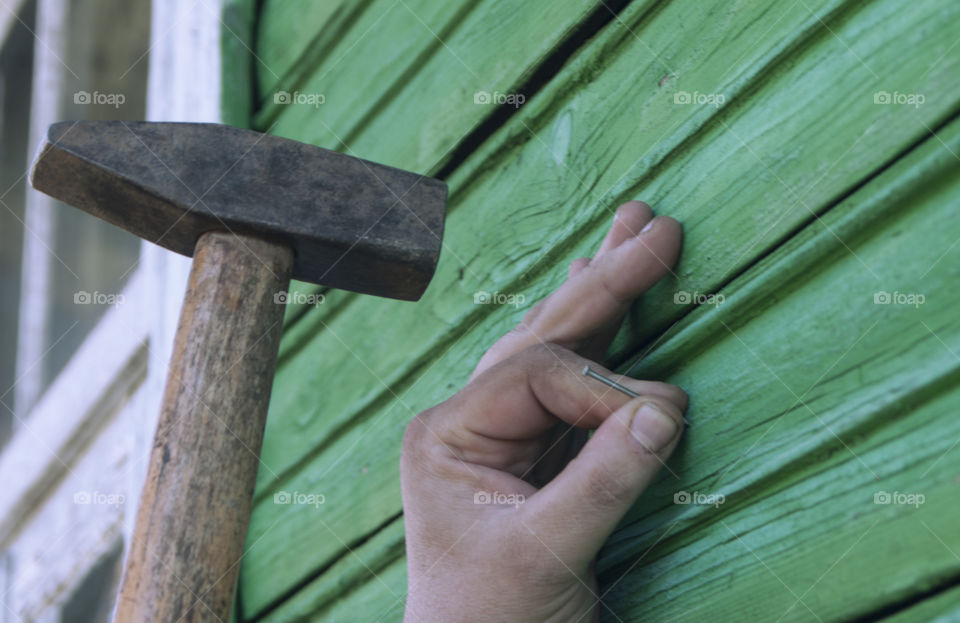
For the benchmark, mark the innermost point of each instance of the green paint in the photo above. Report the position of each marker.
(291, 30)
(236, 100)
(798, 132)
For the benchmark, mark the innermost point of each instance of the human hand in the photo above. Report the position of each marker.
(505, 503)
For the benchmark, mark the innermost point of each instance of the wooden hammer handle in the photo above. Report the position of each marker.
(193, 515)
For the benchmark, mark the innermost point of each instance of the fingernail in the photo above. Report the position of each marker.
(653, 428)
(649, 225)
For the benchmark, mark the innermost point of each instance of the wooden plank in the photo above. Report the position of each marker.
(370, 578)
(339, 64)
(883, 402)
(716, 238)
(943, 607)
(466, 268)
(236, 53)
(430, 56)
(836, 408)
(403, 341)
(720, 252)
(290, 29)
(817, 547)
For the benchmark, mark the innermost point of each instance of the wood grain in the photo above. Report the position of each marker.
(188, 540)
(434, 56)
(799, 132)
(876, 389)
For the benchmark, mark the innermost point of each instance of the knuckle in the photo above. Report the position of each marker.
(415, 435)
(547, 355)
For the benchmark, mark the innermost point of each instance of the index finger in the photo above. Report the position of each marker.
(524, 396)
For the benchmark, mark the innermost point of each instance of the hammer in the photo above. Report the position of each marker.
(253, 210)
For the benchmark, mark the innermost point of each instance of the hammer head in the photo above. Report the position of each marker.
(352, 224)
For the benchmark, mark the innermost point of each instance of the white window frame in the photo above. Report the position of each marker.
(94, 426)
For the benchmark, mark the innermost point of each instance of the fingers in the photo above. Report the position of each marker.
(500, 417)
(586, 311)
(630, 218)
(576, 512)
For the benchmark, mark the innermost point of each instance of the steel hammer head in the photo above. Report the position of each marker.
(352, 224)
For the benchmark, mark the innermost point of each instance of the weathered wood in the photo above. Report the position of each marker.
(777, 139)
(435, 56)
(871, 373)
(236, 53)
(721, 237)
(803, 421)
(943, 607)
(369, 581)
(183, 562)
(723, 244)
(291, 30)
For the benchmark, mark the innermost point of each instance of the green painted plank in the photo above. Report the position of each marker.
(720, 251)
(754, 185)
(807, 327)
(426, 56)
(288, 30)
(370, 578)
(941, 608)
(236, 40)
(751, 300)
(297, 415)
(467, 265)
(817, 548)
(374, 601)
(874, 398)
(361, 64)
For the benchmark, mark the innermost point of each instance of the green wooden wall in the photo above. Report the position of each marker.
(810, 150)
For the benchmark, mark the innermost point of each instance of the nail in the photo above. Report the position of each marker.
(588, 371)
(649, 225)
(653, 428)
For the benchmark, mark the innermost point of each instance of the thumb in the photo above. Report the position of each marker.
(575, 513)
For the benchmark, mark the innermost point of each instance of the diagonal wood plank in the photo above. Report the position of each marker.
(787, 96)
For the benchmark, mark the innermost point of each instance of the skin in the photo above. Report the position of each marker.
(505, 501)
